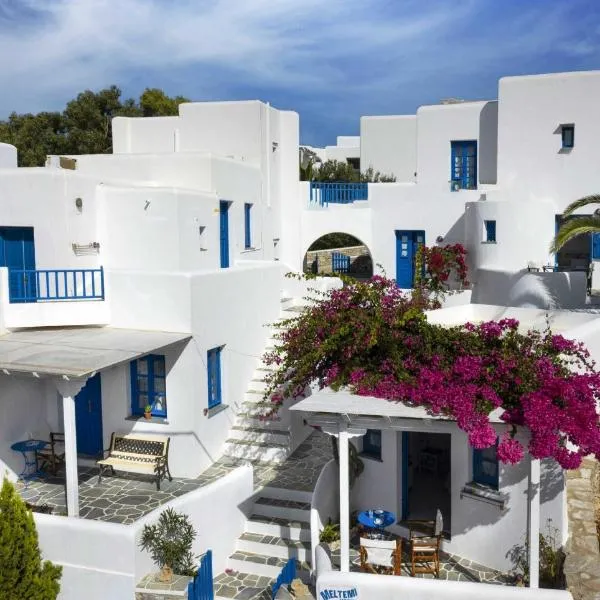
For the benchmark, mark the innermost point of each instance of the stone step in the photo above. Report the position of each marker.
(269, 545)
(253, 396)
(279, 527)
(245, 419)
(285, 509)
(257, 384)
(286, 494)
(260, 434)
(263, 451)
(266, 566)
(235, 585)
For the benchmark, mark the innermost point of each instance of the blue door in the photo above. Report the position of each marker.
(407, 243)
(18, 254)
(463, 168)
(88, 417)
(224, 232)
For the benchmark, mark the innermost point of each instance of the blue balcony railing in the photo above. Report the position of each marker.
(55, 284)
(325, 192)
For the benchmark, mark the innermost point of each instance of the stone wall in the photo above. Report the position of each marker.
(582, 564)
(319, 261)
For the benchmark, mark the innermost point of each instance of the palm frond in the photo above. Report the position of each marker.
(593, 199)
(573, 228)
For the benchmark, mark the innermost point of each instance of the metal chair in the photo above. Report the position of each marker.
(52, 455)
(382, 557)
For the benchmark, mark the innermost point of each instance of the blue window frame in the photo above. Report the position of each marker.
(490, 231)
(485, 466)
(148, 385)
(372, 443)
(247, 226)
(213, 364)
(568, 135)
(463, 165)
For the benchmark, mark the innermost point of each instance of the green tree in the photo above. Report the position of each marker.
(335, 170)
(577, 225)
(335, 240)
(83, 127)
(22, 573)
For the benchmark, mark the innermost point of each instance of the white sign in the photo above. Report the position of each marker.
(338, 593)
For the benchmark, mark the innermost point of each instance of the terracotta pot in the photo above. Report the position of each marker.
(166, 574)
(148, 415)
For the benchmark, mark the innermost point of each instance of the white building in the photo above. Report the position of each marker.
(148, 275)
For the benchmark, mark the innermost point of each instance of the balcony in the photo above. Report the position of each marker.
(324, 193)
(52, 297)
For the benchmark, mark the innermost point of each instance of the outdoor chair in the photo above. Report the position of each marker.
(382, 557)
(52, 455)
(425, 538)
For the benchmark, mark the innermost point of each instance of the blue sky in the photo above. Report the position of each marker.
(330, 60)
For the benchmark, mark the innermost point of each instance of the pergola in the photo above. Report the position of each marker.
(346, 415)
(69, 357)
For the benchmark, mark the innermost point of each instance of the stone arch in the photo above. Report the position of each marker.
(318, 258)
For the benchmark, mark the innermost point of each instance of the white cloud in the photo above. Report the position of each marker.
(331, 53)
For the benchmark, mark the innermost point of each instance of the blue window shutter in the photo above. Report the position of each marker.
(135, 409)
(485, 467)
(213, 364)
(568, 136)
(596, 246)
(151, 376)
(490, 231)
(247, 226)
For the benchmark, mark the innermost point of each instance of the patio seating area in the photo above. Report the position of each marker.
(452, 567)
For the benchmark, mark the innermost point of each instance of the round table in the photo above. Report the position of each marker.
(28, 448)
(376, 519)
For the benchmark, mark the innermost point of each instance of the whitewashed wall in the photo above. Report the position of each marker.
(389, 145)
(8, 156)
(363, 586)
(137, 135)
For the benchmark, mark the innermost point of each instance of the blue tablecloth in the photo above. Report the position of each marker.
(376, 518)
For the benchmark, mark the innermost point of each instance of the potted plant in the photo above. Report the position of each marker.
(330, 534)
(169, 542)
(148, 411)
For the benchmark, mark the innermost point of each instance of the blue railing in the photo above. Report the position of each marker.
(325, 192)
(201, 587)
(33, 285)
(340, 263)
(287, 575)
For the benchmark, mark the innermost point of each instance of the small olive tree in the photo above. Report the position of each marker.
(22, 572)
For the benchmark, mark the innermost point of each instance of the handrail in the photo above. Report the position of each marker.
(34, 285)
(333, 192)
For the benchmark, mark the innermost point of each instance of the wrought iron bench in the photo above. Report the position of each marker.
(135, 453)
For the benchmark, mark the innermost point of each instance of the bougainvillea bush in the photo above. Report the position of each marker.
(373, 340)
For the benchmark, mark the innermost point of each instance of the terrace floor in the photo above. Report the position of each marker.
(126, 497)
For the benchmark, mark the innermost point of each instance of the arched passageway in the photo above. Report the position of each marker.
(338, 253)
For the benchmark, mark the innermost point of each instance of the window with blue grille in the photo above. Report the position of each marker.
(463, 165)
(247, 226)
(490, 231)
(372, 443)
(213, 363)
(485, 467)
(148, 385)
(568, 136)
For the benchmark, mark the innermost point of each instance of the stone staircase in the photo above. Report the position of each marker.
(278, 527)
(257, 439)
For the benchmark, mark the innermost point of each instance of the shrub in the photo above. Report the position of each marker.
(330, 533)
(169, 542)
(22, 572)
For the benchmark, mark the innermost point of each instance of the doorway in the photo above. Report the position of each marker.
(17, 252)
(407, 244)
(88, 417)
(426, 481)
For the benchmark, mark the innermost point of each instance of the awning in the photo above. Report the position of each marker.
(78, 351)
(345, 403)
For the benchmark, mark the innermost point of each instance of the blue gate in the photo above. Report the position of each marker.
(201, 587)
(287, 575)
(340, 263)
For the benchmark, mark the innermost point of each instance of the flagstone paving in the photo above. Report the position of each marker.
(124, 498)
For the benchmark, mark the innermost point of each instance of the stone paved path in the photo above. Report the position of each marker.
(124, 498)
